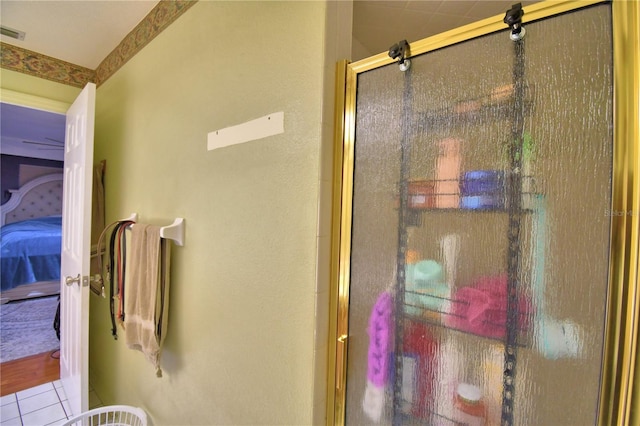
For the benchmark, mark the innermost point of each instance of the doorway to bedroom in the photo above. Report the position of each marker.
(31, 154)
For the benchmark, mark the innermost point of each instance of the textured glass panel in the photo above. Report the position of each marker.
(569, 61)
(480, 233)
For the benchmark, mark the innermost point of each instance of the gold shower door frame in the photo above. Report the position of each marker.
(620, 385)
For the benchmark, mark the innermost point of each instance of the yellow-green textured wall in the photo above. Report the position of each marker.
(240, 342)
(35, 92)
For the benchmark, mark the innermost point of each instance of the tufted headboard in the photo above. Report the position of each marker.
(39, 197)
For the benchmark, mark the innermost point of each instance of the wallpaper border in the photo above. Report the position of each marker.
(15, 58)
(160, 17)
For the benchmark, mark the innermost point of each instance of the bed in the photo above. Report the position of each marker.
(31, 240)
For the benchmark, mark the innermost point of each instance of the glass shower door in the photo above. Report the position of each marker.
(480, 230)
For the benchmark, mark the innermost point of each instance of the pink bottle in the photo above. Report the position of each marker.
(448, 173)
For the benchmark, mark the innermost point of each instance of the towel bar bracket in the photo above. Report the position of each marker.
(174, 232)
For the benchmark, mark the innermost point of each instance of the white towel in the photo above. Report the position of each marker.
(146, 292)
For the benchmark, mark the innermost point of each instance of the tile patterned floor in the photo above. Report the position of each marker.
(39, 406)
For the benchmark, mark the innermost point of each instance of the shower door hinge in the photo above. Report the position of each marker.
(400, 51)
(513, 18)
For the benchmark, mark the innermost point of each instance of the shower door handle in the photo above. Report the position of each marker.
(341, 357)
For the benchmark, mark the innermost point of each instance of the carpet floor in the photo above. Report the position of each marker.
(26, 328)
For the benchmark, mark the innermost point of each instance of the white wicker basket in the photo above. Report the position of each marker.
(116, 415)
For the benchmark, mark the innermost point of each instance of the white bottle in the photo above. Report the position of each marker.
(469, 408)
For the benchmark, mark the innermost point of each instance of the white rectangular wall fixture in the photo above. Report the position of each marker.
(269, 125)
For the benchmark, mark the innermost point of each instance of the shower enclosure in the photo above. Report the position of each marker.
(487, 231)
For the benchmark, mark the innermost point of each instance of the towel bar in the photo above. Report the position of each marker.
(174, 232)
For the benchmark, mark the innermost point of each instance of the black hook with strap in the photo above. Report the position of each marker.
(513, 18)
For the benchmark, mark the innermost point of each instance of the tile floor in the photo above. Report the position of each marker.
(41, 405)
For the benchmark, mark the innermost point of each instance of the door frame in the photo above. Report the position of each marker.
(40, 103)
(620, 386)
(31, 101)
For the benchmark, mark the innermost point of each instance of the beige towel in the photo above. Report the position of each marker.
(146, 292)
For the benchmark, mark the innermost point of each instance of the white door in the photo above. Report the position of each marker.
(76, 247)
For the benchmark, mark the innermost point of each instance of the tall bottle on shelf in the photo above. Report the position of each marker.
(448, 174)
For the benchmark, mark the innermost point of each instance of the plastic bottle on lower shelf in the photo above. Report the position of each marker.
(420, 349)
(469, 409)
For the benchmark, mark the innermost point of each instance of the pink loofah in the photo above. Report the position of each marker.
(380, 339)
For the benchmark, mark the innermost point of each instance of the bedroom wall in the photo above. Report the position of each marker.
(38, 93)
(10, 172)
(248, 318)
(26, 90)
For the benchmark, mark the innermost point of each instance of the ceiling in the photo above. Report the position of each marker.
(80, 32)
(85, 32)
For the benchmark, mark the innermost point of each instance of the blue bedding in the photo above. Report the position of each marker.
(30, 251)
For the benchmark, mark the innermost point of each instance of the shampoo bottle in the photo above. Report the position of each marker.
(448, 174)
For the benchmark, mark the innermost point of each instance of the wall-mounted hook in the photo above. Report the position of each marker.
(400, 51)
(513, 18)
